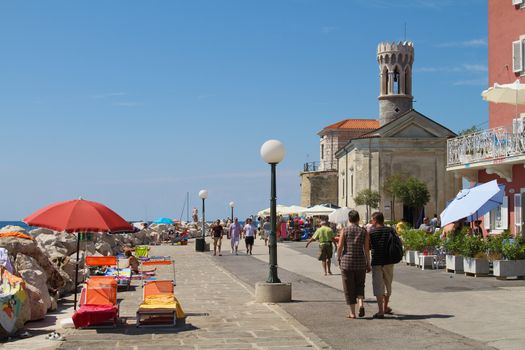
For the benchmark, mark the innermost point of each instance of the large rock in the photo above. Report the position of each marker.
(40, 231)
(59, 243)
(13, 228)
(34, 276)
(37, 304)
(104, 248)
(16, 246)
(88, 247)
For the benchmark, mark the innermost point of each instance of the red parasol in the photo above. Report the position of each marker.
(78, 216)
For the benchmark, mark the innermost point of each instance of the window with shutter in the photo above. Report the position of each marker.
(517, 212)
(517, 56)
(502, 216)
(486, 221)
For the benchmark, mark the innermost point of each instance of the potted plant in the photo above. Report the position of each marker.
(513, 262)
(475, 260)
(453, 246)
(430, 242)
(413, 244)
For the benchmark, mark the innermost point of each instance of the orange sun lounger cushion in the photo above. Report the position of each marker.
(101, 260)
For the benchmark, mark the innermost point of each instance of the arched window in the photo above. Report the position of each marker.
(397, 85)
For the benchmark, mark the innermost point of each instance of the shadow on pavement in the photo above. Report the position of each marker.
(402, 317)
(131, 329)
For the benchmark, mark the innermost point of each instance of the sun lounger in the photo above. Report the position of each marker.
(160, 307)
(98, 303)
(147, 267)
(122, 276)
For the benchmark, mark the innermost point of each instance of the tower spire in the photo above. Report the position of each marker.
(395, 66)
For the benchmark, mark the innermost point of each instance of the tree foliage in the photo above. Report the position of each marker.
(470, 130)
(394, 185)
(368, 197)
(414, 193)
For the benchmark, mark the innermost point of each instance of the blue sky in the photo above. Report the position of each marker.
(135, 103)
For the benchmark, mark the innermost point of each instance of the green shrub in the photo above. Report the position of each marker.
(473, 247)
(513, 249)
(494, 245)
(414, 239)
(454, 243)
(432, 241)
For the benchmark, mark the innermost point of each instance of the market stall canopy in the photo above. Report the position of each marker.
(339, 216)
(473, 203)
(266, 212)
(292, 209)
(317, 210)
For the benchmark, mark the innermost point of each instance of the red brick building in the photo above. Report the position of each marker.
(499, 152)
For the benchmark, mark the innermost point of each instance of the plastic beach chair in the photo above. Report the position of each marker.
(149, 266)
(160, 307)
(122, 276)
(142, 252)
(98, 304)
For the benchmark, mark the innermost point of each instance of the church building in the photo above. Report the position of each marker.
(406, 143)
(358, 154)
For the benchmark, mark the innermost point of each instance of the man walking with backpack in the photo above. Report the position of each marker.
(383, 243)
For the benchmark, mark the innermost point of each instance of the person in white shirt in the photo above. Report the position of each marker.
(249, 232)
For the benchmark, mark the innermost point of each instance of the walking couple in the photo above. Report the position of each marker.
(249, 232)
(353, 254)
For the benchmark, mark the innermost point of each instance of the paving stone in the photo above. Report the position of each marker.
(221, 313)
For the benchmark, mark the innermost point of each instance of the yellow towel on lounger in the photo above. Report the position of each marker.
(163, 301)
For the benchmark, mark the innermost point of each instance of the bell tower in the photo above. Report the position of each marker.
(395, 66)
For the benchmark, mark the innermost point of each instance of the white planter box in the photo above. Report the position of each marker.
(454, 263)
(426, 262)
(412, 257)
(476, 267)
(509, 268)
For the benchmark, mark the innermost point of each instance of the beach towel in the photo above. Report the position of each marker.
(5, 261)
(118, 273)
(162, 301)
(90, 315)
(15, 234)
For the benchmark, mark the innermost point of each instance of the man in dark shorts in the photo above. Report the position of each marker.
(326, 237)
(249, 231)
(217, 237)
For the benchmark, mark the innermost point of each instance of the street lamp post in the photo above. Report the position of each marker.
(272, 152)
(232, 204)
(200, 243)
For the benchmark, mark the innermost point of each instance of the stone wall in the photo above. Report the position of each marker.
(360, 169)
(318, 187)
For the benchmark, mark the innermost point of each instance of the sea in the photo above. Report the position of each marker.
(16, 223)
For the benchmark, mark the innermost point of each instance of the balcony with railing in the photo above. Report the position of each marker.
(325, 165)
(488, 147)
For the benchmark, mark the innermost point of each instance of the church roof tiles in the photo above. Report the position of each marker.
(355, 124)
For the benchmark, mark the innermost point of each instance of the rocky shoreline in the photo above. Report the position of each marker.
(45, 260)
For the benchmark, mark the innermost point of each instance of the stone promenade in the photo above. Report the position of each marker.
(221, 315)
